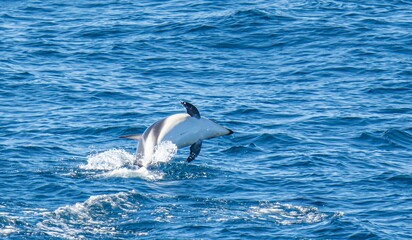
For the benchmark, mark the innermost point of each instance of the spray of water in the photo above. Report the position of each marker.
(119, 163)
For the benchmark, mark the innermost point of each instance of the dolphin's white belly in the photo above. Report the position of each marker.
(190, 130)
(182, 130)
(185, 133)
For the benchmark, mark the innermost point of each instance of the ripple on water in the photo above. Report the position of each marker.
(387, 139)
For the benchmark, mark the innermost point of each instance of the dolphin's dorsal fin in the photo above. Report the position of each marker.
(137, 137)
(191, 110)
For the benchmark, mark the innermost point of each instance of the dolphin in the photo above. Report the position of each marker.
(182, 129)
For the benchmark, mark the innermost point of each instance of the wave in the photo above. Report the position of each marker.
(7, 224)
(93, 217)
(133, 214)
(399, 138)
(389, 138)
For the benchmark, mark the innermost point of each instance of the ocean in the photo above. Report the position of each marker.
(317, 92)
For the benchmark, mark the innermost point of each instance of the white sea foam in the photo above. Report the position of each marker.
(109, 160)
(164, 152)
(89, 217)
(7, 230)
(287, 214)
(125, 172)
(119, 163)
(7, 223)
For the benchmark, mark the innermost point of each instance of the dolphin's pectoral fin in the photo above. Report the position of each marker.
(191, 110)
(194, 150)
(137, 137)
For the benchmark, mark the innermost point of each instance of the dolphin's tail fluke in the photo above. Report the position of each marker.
(137, 137)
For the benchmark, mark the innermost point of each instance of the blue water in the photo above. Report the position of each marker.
(318, 93)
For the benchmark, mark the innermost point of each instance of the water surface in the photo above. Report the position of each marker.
(318, 93)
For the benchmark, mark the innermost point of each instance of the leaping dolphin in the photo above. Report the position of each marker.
(182, 129)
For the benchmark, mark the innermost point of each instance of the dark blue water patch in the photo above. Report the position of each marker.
(251, 149)
(111, 95)
(18, 75)
(30, 152)
(391, 90)
(397, 178)
(339, 121)
(395, 110)
(252, 23)
(371, 138)
(399, 137)
(402, 179)
(245, 21)
(390, 87)
(260, 142)
(383, 140)
(180, 170)
(274, 141)
(358, 229)
(245, 111)
(202, 29)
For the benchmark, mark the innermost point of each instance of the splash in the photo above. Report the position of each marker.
(163, 153)
(109, 160)
(142, 172)
(119, 163)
